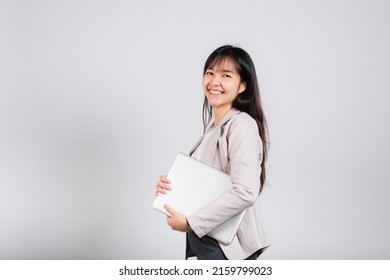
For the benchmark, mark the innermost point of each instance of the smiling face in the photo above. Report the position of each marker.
(221, 85)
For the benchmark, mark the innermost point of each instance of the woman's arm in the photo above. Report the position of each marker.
(244, 151)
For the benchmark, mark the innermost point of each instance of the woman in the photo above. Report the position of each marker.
(234, 141)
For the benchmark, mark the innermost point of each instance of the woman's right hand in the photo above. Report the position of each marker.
(163, 185)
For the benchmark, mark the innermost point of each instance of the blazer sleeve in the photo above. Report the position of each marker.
(244, 149)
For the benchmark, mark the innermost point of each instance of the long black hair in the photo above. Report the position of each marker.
(247, 101)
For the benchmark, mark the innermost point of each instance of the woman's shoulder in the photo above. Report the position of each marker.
(243, 119)
(242, 133)
(240, 125)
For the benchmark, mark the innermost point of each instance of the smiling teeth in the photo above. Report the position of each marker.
(215, 92)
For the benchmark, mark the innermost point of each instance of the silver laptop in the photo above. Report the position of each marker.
(195, 184)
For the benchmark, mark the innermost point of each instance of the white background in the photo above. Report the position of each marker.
(97, 98)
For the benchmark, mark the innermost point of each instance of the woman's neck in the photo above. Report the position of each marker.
(219, 114)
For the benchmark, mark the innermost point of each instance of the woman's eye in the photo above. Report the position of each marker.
(209, 73)
(226, 76)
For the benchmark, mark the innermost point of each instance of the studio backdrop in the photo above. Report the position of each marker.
(98, 97)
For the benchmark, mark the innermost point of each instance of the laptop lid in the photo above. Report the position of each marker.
(195, 184)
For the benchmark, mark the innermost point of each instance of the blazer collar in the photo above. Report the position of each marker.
(208, 154)
(230, 114)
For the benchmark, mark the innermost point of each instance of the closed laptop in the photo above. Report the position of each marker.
(195, 184)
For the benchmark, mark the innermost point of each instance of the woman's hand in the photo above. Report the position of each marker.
(162, 185)
(177, 221)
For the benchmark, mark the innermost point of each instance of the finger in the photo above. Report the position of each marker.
(162, 187)
(165, 179)
(167, 187)
(169, 209)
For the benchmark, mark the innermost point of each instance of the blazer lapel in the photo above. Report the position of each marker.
(230, 114)
(209, 151)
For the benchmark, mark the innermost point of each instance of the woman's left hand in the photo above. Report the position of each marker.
(176, 220)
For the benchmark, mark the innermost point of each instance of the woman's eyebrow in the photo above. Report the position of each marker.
(222, 70)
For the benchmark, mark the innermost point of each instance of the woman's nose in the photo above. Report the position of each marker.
(215, 81)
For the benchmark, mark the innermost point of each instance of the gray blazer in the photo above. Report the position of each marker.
(236, 149)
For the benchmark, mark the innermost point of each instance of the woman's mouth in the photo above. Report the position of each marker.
(215, 92)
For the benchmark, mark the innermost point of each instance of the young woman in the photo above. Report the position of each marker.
(234, 141)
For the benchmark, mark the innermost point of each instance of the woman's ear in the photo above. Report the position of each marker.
(242, 87)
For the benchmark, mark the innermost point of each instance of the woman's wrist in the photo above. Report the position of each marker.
(188, 224)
